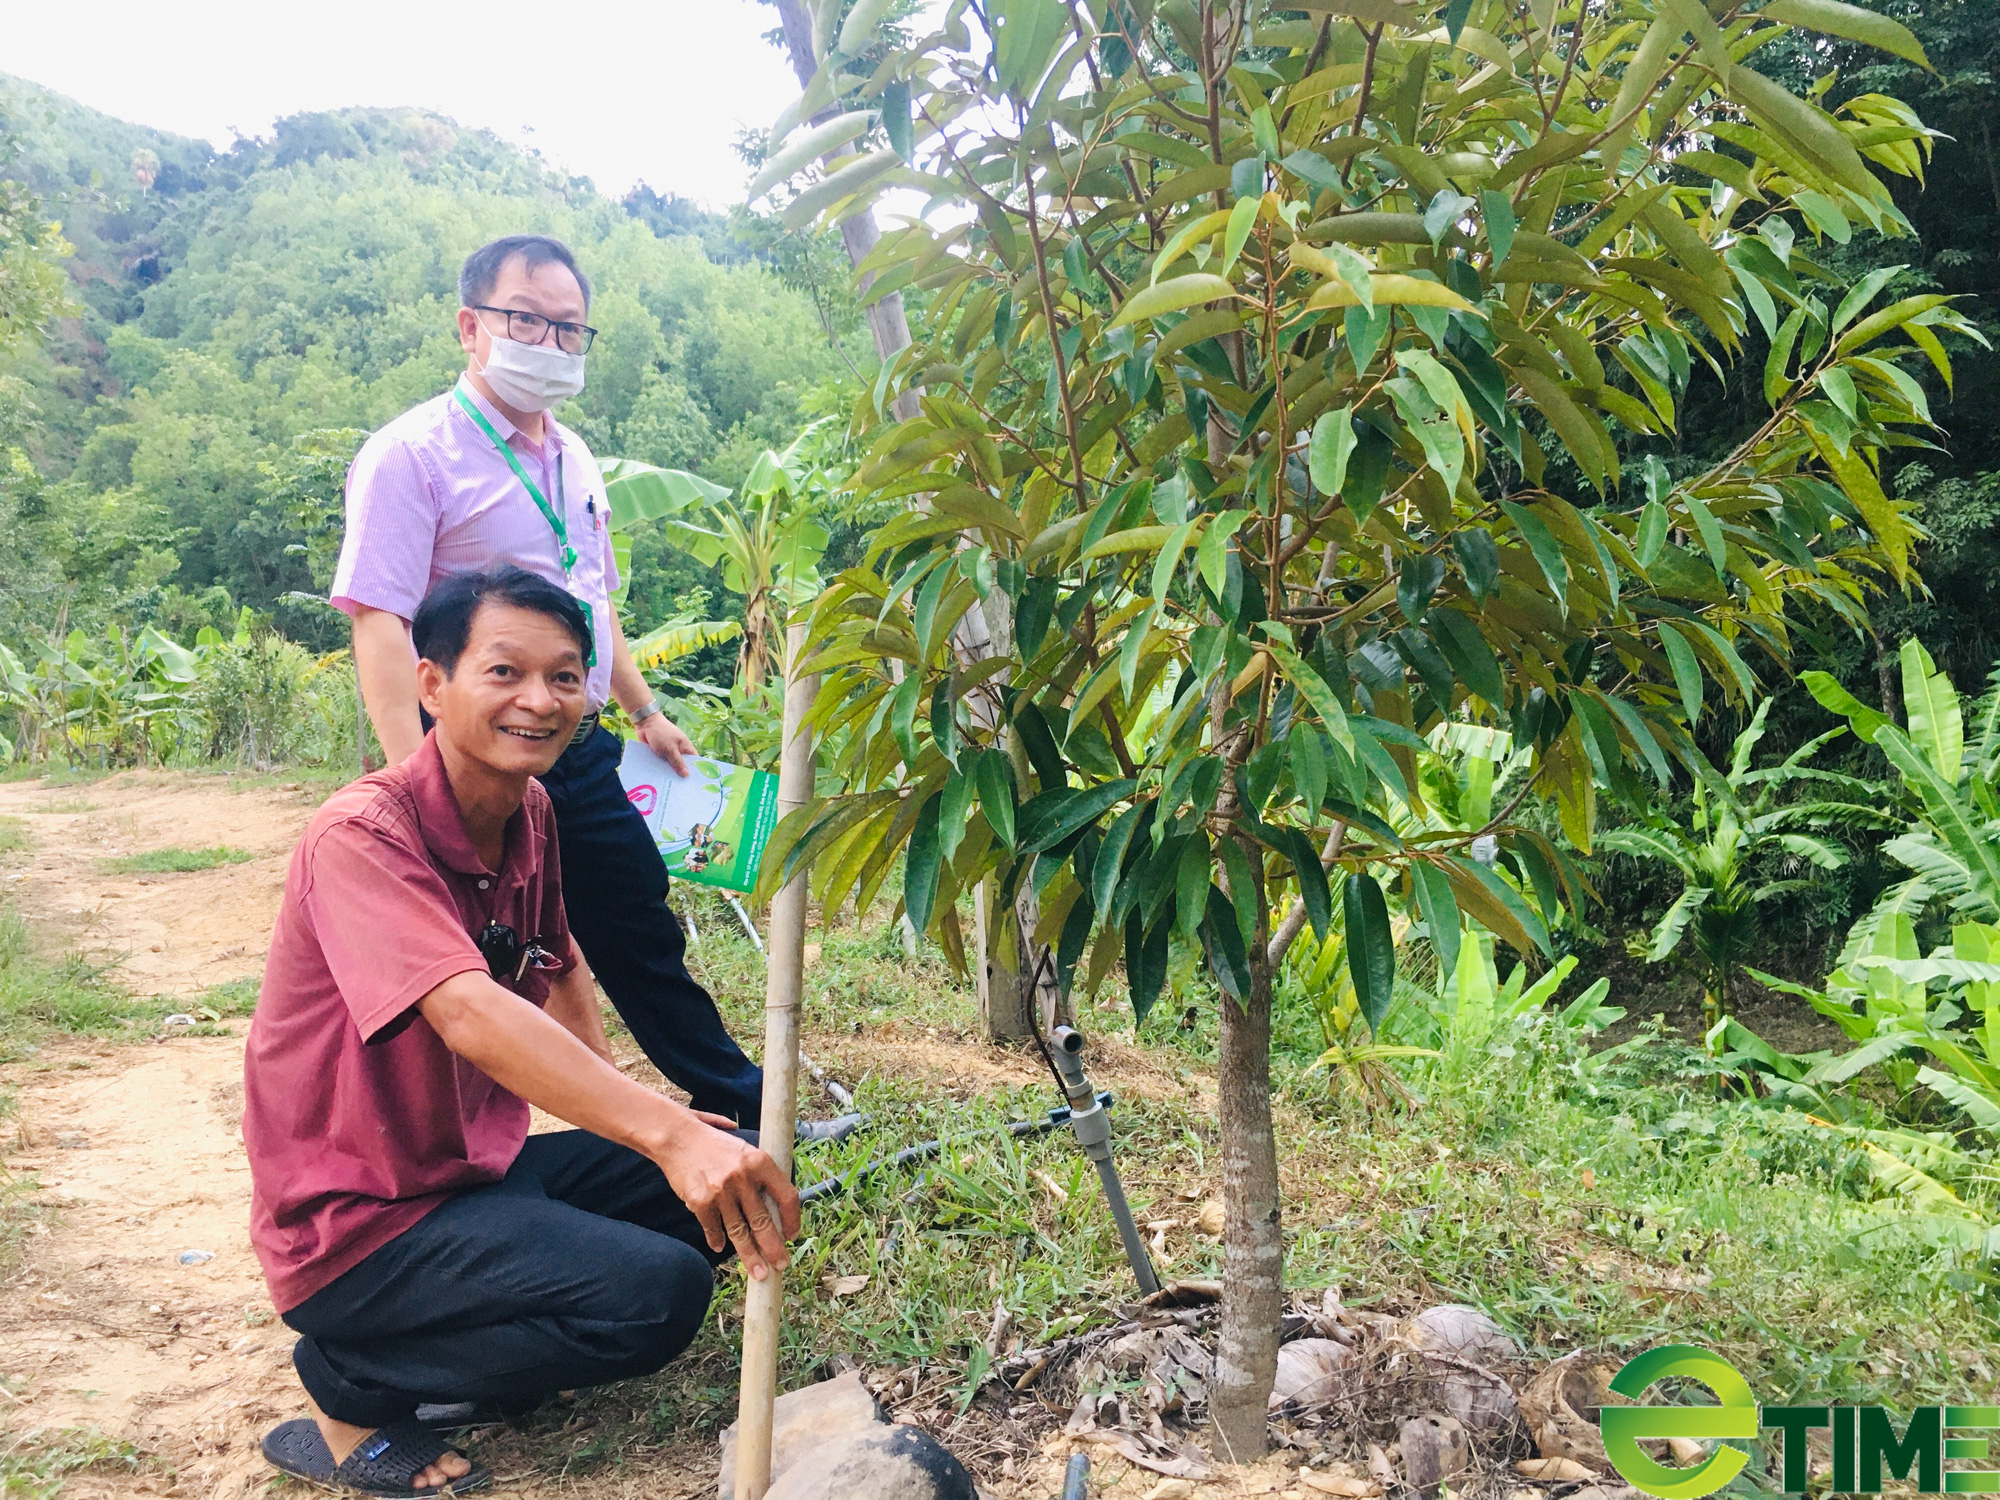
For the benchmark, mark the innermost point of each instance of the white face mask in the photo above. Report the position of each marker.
(532, 377)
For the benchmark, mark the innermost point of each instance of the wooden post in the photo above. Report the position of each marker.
(784, 958)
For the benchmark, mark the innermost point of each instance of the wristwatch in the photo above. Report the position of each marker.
(652, 707)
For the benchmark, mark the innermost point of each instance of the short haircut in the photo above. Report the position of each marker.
(481, 270)
(442, 626)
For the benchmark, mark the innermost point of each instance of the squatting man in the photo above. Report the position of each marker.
(422, 992)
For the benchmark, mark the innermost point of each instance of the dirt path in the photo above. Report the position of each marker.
(141, 1313)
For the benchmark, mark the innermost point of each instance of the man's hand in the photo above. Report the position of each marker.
(726, 1184)
(665, 739)
(528, 1052)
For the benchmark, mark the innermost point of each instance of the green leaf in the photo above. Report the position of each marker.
(1860, 295)
(1191, 877)
(1778, 362)
(1212, 557)
(1480, 559)
(1332, 445)
(1052, 816)
(1836, 699)
(1026, 34)
(1542, 544)
(1851, 23)
(1447, 207)
(1308, 756)
(1498, 209)
(897, 122)
(1264, 131)
(1110, 858)
(1652, 535)
(1172, 296)
(1371, 949)
(1145, 962)
(1686, 669)
(640, 492)
(993, 773)
(1440, 912)
(1930, 705)
(1222, 938)
(1525, 918)
(1432, 426)
(1312, 687)
(1710, 531)
(921, 864)
(1470, 654)
(803, 147)
(903, 715)
(1242, 219)
(1313, 888)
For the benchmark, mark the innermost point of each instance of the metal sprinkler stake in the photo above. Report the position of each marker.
(1093, 1132)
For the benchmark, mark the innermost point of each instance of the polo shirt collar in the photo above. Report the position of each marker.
(504, 425)
(443, 825)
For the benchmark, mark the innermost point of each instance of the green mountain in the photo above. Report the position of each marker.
(243, 316)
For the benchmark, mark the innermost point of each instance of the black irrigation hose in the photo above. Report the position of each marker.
(924, 1150)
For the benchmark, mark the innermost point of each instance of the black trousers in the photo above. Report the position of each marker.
(581, 1266)
(615, 890)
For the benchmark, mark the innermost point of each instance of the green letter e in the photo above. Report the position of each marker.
(1624, 1426)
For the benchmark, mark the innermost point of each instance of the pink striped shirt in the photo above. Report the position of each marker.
(429, 495)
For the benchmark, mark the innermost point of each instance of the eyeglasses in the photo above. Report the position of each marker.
(508, 958)
(533, 328)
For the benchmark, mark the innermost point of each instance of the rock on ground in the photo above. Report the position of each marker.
(807, 1421)
(885, 1463)
(1464, 1332)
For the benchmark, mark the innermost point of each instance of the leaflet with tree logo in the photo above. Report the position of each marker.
(712, 824)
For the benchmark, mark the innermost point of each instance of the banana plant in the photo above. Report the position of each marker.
(1738, 823)
(1950, 780)
(769, 546)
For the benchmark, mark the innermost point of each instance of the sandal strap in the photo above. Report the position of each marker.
(388, 1459)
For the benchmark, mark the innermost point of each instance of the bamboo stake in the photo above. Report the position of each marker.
(764, 1303)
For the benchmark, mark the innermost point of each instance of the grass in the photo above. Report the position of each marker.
(175, 861)
(1607, 1202)
(35, 1464)
(13, 836)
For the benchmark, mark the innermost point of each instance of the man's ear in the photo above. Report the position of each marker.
(431, 679)
(468, 329)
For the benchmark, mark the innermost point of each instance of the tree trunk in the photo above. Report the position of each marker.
(1003, 991)
(1253, 1245)
(859, 232)
(1253, 1249)
(1888, 679)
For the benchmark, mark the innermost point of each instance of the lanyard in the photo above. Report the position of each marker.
(552, 514)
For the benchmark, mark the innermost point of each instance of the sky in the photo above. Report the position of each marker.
(614, 90)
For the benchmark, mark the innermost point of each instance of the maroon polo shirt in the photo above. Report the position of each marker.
(357, 1119)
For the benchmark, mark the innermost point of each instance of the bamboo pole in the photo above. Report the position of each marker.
(784, 984)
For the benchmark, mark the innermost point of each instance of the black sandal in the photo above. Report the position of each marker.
(382, 1464)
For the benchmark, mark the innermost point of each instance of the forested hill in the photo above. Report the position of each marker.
(245, 315)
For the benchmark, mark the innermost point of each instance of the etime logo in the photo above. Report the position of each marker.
(1865, 1443)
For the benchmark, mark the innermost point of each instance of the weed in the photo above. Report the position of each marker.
(71, 805)
(41, 995)
(13, 836)
(34, 1465)
(175, 861)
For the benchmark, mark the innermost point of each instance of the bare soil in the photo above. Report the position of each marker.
(137, 1309)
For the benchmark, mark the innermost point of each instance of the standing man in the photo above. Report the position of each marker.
(481, 476)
